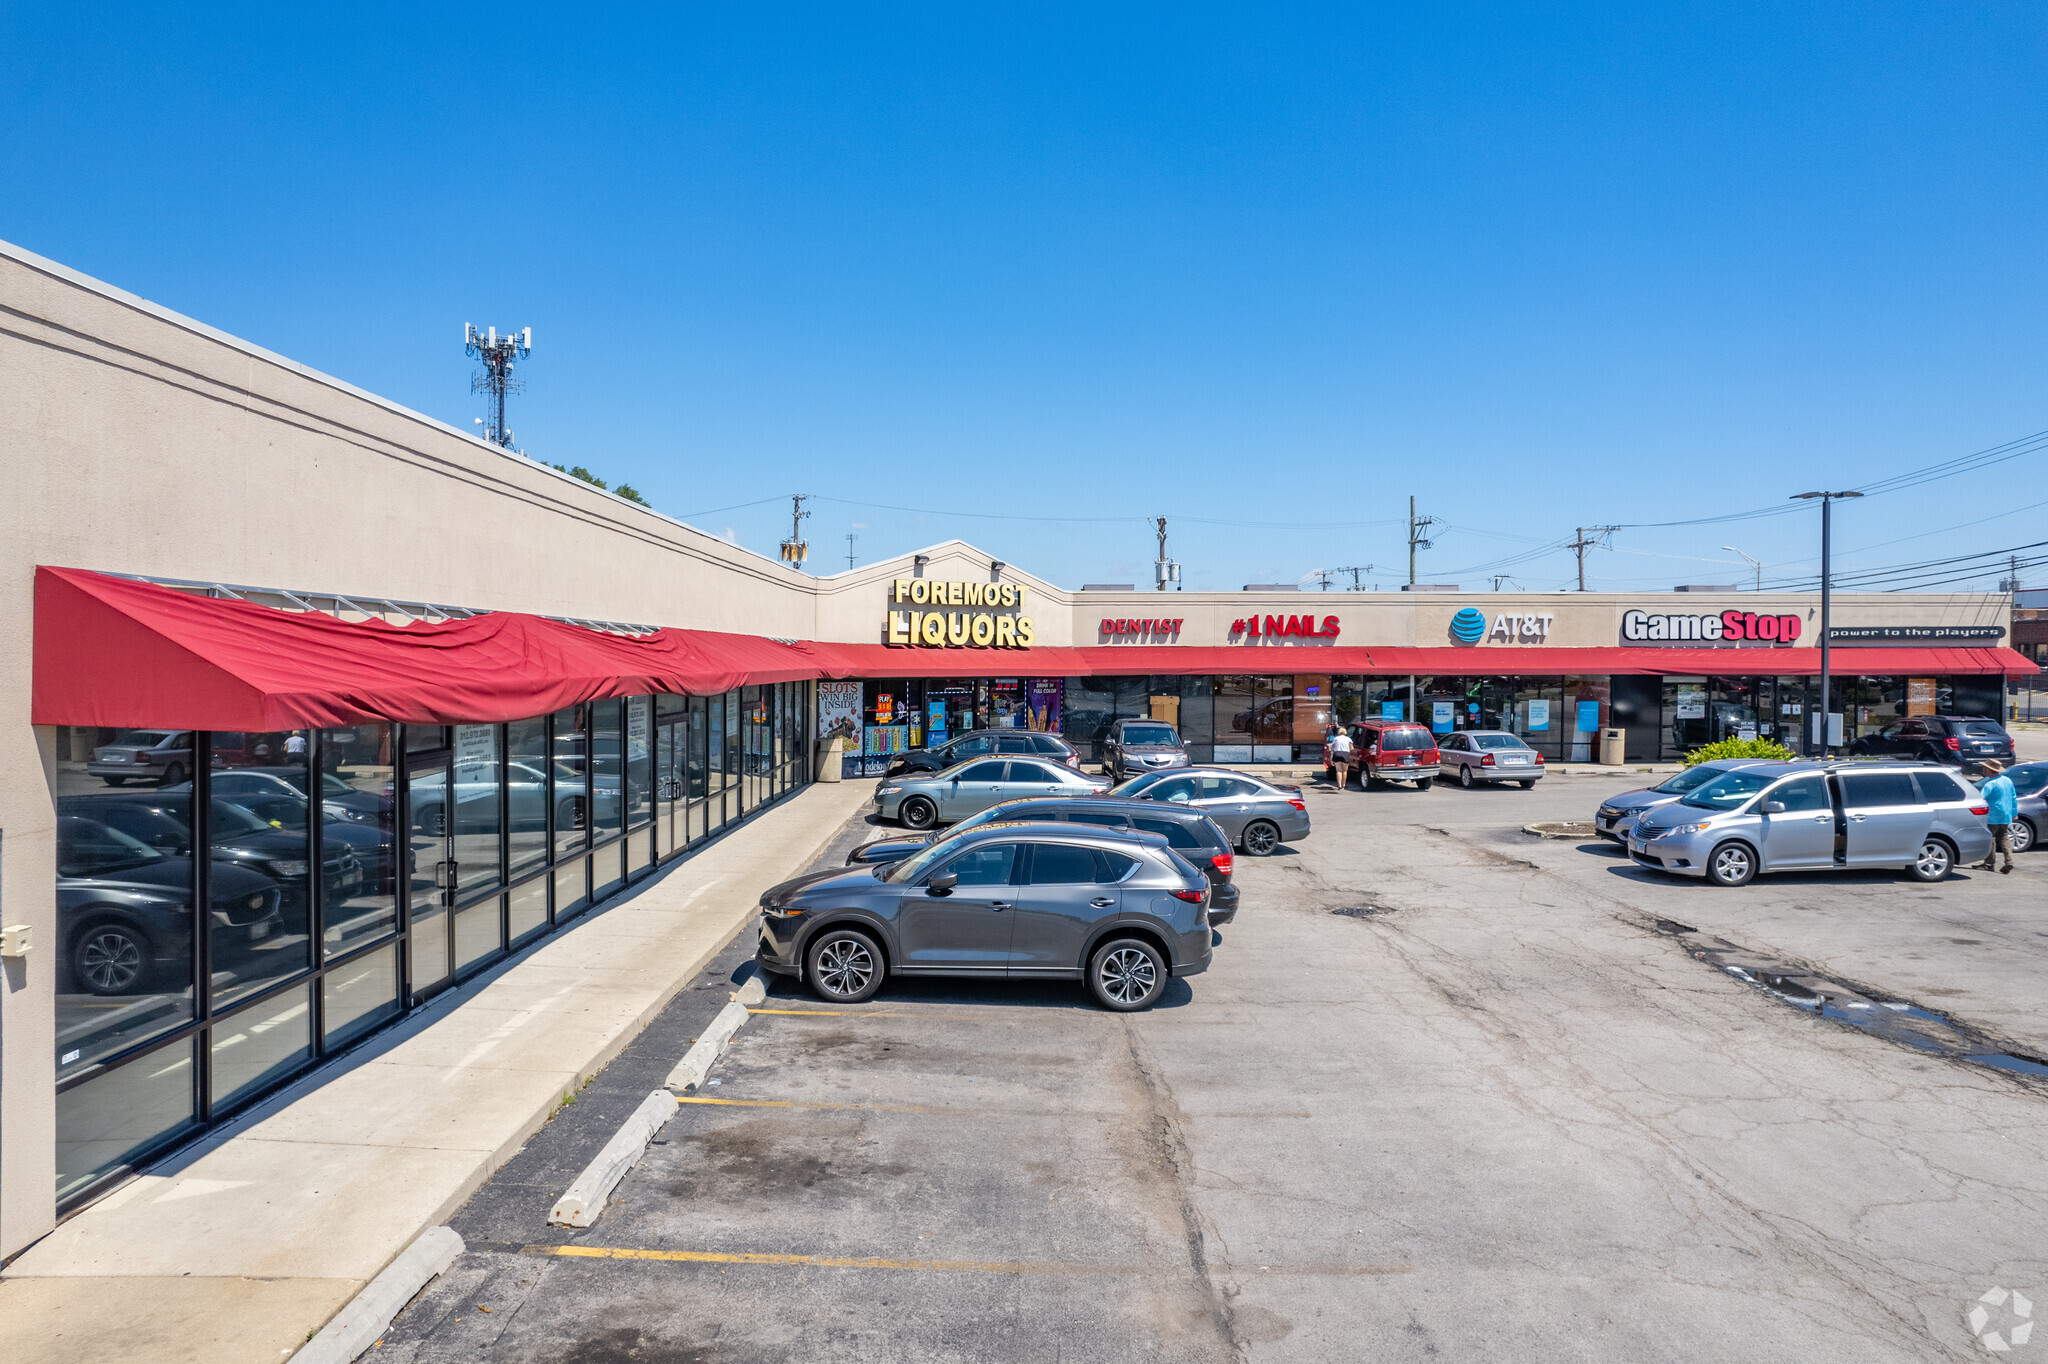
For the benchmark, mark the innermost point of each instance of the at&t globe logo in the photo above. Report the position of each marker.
(1468, 626)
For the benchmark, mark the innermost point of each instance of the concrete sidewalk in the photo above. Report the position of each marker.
(239, 1248)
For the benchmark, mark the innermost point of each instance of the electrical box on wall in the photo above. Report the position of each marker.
(15, 940)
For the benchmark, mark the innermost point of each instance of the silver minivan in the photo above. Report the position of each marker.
(1816, 816)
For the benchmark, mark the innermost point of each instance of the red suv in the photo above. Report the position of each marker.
(1388, 750)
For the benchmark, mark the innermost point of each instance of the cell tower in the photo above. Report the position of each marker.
(497, 353)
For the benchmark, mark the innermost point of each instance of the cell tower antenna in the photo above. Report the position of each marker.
(794, 550)
(497, 353)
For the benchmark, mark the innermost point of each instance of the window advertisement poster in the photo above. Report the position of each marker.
(1692, 703)
(1390, 710)
(839, 705)
(882, 740)
(1589, 717)
(639, 720)
(1920, 696)
(1441, 716)
(1046, 697)
(476, 753)
(935, 723)
(1539, 714)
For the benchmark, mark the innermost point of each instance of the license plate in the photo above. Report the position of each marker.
(1407, 762)
(1516, 762)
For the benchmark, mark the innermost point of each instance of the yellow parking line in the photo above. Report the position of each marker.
(713, 1257)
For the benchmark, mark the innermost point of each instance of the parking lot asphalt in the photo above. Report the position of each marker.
(1449, 1091)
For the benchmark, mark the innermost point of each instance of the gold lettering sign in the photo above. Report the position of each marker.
(946, 629)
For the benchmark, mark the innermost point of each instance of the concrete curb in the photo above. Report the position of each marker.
(356, 1327)
(754, 992)
(586, 1197)
(698, 1060)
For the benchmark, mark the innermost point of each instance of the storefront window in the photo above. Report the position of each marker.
(262, 898)
(124, 902)
(639, 761)
(260, 1046)
(120, 1117)
(734, 757)
(526, 773)
(571, 771)
(608, 769)
(1090, 704)
(479, 837)
(889, 725)
(1273, 719)
(359, 995)
(1236, 706)
(360, 814)
(1314, 712)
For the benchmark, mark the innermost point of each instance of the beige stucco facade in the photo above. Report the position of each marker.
(136, 441)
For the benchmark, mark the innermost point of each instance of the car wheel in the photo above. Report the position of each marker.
(2022, 835)
(844, 966)
(918, 813)
(1528, 786)
(1465, 775)
(110, 959)
(115, 781)
(1731, 864)
(1126, 974)
(1423, 783)
(1936, 860)
(173, 774)
(1261, 838)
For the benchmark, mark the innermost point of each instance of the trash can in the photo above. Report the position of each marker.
(831, 758)
(1613, 747)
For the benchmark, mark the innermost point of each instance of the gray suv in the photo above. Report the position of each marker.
(1121, 911)
(1133, 746)
(1815, 816)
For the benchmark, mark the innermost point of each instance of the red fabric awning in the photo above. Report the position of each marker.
(115, 652)
(111, 651)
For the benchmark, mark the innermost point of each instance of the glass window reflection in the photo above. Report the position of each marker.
(639, 761)
(608, 774)
(115, 1119)
(526, 773)
(479, 840)
(572, 780)
(260, 929)
(358, 813)
(260, 1046)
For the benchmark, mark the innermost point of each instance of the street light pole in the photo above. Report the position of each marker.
(1827, 502)
(1756, 564)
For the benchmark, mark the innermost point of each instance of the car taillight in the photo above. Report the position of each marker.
(1297, 804)
(1486, 761)
(1954, 745)
(1223, 862)
(1539, 760)
(1193, 897)
(1099, 789)
(1980, 809)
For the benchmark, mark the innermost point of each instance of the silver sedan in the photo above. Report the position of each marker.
(968, 788)
(1475, 756)
(1256, 815)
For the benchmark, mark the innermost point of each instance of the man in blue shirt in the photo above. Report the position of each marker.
(2005, 808)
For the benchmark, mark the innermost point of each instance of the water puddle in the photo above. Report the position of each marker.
(1894, 1020)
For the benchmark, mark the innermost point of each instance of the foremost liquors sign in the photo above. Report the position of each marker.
(1723, 629)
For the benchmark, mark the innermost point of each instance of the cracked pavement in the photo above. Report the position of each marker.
(1504, 1116)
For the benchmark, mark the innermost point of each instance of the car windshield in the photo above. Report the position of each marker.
(1402, 739)
(86, 847)
(1689, 780)
(142, 738)
(1143, 780)
(1981, 729)
(2027, 780)
(1729, 790)
(988, 816)
(232, 823)
(1497, 741)
(914, 866)
(1151, 734)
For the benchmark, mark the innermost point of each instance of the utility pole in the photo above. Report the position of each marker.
(1164, 570)
(1827, 503)
(1582, 544)
(1354, 572)
(1322, 575)
(850, 538)
(1416, 526)
(794, 550)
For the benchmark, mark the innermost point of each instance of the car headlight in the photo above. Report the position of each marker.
(286, 869)
(1609, 812)
(781, 911)
(888, 790)
(1698, 828)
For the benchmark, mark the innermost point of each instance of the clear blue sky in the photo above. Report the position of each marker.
(1540, 266)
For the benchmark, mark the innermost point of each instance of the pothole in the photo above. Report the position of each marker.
(1368, 910)
(1571, 828)
(1895, 1020)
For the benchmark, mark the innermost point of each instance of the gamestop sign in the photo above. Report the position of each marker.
(1729, 627)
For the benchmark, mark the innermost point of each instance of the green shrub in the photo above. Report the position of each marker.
(1767, 749)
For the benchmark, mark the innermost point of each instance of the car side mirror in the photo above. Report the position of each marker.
(942, 884)
(1774, 807)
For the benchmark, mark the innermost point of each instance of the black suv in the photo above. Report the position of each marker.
(1959, 740)
(976, 742)
(1133, 746)
(1188, 832)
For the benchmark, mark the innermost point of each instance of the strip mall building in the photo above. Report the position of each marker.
(425, 701)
